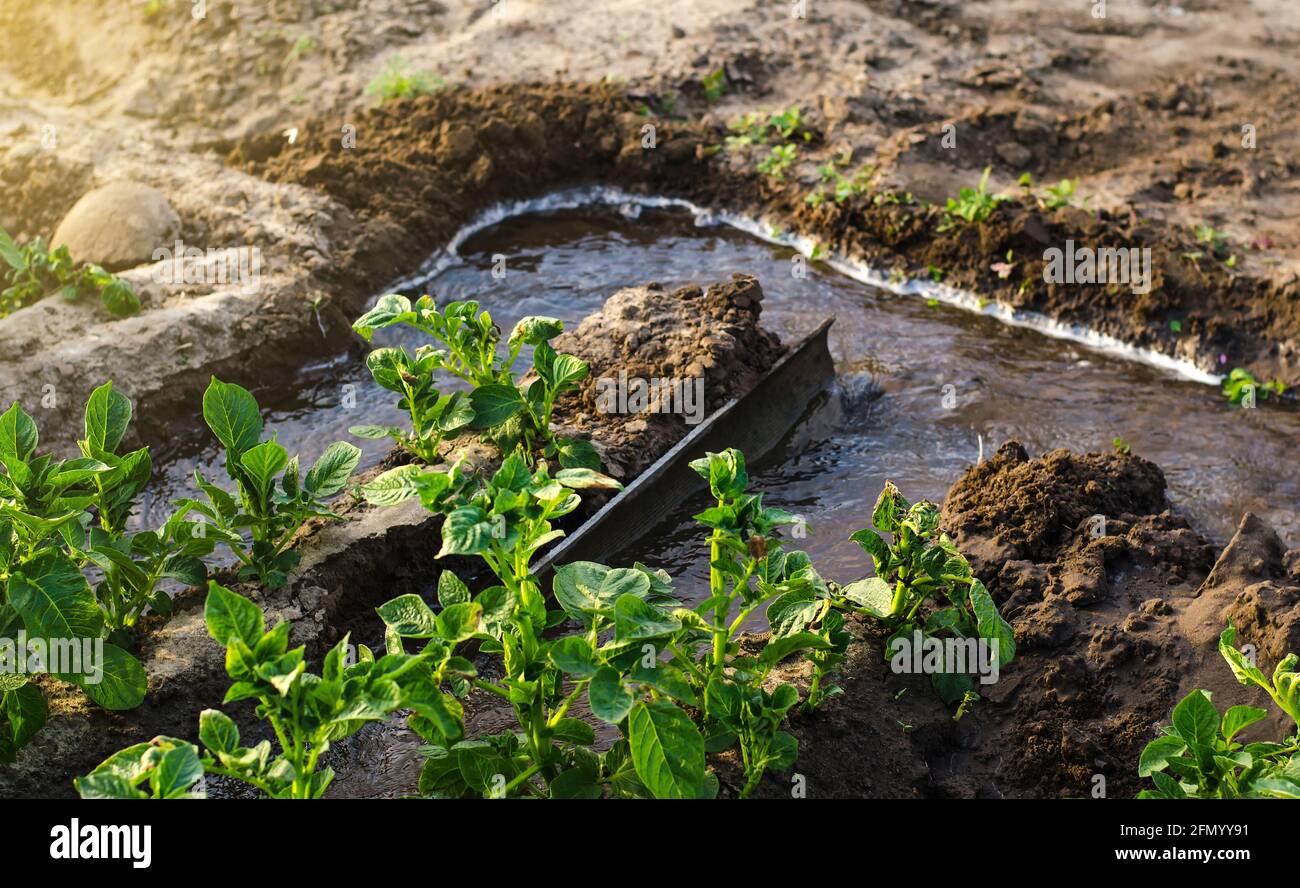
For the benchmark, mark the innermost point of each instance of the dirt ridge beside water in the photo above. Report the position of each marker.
(1222, 319)
(1113, 626)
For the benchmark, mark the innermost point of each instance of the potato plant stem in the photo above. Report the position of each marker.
(717, 589)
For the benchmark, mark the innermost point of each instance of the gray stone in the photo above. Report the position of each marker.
(118, 226)
(1015, 155)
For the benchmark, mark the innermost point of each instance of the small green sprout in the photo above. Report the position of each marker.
(395, 83)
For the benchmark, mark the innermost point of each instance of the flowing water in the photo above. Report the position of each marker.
(923, 388)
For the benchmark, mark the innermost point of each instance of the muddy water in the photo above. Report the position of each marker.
(923, 388)
(922, 391)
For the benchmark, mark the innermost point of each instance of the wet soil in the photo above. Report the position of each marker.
(921, 390)
(689, 334)
(1111, 630)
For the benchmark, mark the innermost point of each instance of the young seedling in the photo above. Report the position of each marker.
(302, 47)
(1215, 240)
(779, 161)
(513, 414)
(35, 271)
(1241, 387)
(714, 84)
(972, 205)
(782, 131)
(274, 499)
(307, 712)
(1199, 755)
(1054, 197)
(923, 582)
(394, 82)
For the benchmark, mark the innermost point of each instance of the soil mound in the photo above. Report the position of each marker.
(701, 342)
(1114, 623)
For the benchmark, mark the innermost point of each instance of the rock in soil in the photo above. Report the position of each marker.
(118, 226)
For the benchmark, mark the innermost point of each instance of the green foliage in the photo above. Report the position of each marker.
(1059, 195)
(972, 205)
(1209, 236)
(714, 84)
(302, 47)
(274, 498)
(844, 186)
(307, 712)
(779, 160)
(674, 680)
(921, 565)
(512, 413)
(781, 131)
(62, 519)
(132, 565)
(1240, 385)
(749, 571)
(768, 128)
(395, 82)
(34, 270)
(1284, 687)
(1121, 446)
(1199, 755)
(506, 521)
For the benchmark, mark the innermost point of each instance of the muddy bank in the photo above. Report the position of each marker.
(351, 567)
(1200, 311)
(453, 161)
(1113, 626)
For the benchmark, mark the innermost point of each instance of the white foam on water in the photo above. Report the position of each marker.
(631, 204)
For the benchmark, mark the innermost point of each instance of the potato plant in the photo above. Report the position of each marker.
(508, 411)
(971, 205)
(1240, 386)
(35, 270)
(748, 571)
(613, 662)
(1200, 756)
(674, 680)
(133, 565)
(63, 519)
(923, 582)
(307, 712)
(275, 499)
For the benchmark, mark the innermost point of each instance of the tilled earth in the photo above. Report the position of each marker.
(1115, 621)
(254, 124)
